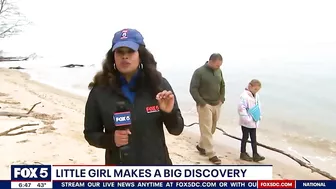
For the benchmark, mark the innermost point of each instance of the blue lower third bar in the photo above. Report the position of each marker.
(187, 184)
(158, 184)
(155, 184)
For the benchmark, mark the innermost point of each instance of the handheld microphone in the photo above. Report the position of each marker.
(122, 121)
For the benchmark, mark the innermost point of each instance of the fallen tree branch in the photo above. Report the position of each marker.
(13, 114)
(16, 68)
(300, 162)
(72, 65)
(7, 133)
(31, 109)
(21, 132)
(20, 115)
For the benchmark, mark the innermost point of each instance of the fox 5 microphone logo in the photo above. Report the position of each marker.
(122, 118)
(31, 172)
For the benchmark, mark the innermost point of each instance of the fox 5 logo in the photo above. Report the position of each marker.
(123, 118)
(31, 173)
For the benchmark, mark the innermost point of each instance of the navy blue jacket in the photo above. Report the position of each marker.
(147, 139)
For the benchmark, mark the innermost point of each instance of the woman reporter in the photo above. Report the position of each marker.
(129, 75)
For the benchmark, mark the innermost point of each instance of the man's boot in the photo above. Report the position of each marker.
(245, 156)
(257, 157)
(200, 150)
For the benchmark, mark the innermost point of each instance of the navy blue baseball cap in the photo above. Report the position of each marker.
(130, 38)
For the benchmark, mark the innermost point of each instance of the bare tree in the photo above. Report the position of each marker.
(11, 20)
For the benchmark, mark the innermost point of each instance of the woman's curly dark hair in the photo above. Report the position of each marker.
(149, 77)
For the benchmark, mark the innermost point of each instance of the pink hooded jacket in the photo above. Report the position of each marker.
(247, 101)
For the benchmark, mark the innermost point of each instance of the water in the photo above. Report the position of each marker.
(293, 55)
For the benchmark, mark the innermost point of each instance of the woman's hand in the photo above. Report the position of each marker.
(121, 137)
(166, 101)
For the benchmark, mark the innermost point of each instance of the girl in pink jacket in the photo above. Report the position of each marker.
(249, 117)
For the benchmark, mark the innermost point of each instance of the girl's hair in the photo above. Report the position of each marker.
(255, 82)
(109, 76)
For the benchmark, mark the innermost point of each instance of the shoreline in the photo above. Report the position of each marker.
(60, 119)
(293, 137)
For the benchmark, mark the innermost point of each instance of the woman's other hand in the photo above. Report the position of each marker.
(166, 100)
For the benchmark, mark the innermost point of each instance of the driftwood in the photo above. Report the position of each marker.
(19, 115)
(7, 133)
(16, 68)
(6, 59)
(72, 66)
(300, 162)
(31, 109)
(17, 58)
(13, 114)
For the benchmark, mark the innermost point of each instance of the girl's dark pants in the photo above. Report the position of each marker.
(252, 132)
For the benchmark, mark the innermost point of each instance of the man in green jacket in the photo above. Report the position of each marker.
(207, 87)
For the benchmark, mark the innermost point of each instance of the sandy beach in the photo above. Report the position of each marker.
(55, 135)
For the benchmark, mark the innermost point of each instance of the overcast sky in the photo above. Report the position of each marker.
(184, 31)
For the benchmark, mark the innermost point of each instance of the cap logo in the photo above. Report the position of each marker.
(124, 34)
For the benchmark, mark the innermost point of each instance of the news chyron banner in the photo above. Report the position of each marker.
(200, 176)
